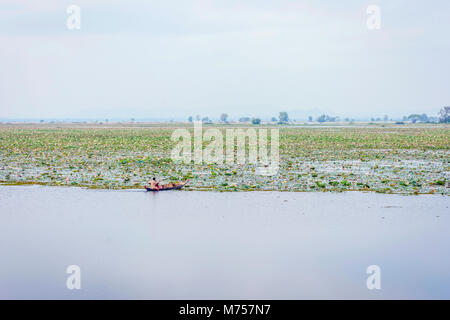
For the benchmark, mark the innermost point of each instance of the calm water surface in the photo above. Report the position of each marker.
(207, 245)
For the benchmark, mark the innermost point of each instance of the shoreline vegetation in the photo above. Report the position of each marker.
(386, 158)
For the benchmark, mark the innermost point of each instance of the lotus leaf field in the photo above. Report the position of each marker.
(406, 160)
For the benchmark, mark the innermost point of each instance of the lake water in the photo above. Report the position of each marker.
(207, 245)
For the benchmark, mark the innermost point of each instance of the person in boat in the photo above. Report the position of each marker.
(154, 184)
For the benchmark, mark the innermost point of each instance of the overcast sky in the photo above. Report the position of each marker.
(163, 59)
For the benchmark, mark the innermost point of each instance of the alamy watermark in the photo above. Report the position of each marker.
(74, 19)
(374, 280)
(235, 147)
(374, 20)
(74, 279)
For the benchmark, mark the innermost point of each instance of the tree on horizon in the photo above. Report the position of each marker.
(284, 118)
(224, 117)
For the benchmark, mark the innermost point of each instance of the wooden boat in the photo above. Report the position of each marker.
(178, 186)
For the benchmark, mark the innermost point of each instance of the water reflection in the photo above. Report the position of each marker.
(133, 244)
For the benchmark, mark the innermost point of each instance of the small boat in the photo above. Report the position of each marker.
(177, 186)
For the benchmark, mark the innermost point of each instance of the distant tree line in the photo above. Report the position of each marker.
(205, 120)
(444, 115)
(283, 118)
(418, 117)
(326, 118)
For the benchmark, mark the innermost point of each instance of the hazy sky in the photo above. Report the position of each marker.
(162, 59)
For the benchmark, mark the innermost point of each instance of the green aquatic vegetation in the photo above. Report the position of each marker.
(320, 184)
(345, 183)
(379, 159)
